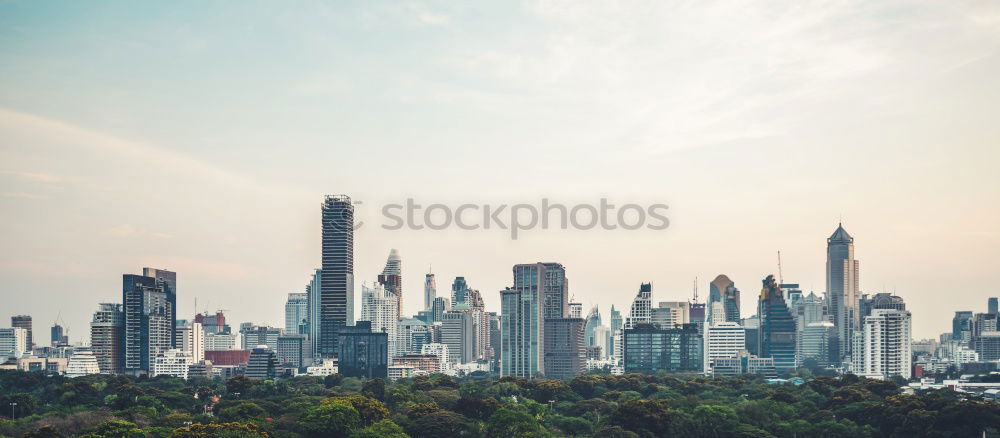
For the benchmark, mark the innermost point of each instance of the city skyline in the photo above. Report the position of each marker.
(184, 141)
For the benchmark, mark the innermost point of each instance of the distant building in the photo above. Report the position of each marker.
(961, 326)
(723, 290)
(254, 335)
(725, 339)
(200, 370)
(438, 308)
(430, 290)
(363, 352)
(422, 363)
(744, 363)
(576, 310)
(336, 295)
(391, 278)
(293, 350)
(173, 362)
(987, 346)
(538, 288)
(149, 315)
(641, 310)
(887, 344)
(565, 351)
(814, 341)
(13, 342)
(842, 272)
(190, 338)
(106, 337)
(296, 313)
(458, 332)
(777, 326)
(82, 363)
(58, 336)
(459, 290)
(262, 363)
(24, 322)
(228, 357)
(441, 352)
(411, 334)
(671, 313)
(380, 306)
(649, 348)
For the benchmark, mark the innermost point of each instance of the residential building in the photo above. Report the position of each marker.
(24, 322)
(149, 318)
(441, 352)
(82, 363)
(391, 278)
(363, 351)
(565, 351)
(421, 363)
(262, 364)
(13, 342)
(640, 312)
(336, 300)
(381, 307)
(887, 344)
(744, 363)
(725, 339)
(190, 339)
(173, 362)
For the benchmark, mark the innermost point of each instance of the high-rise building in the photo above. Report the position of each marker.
(842, 273)
(24, 322)
(293, 350)
(480, 320)
(565, 351)
(883, 300)
(522, 317)
(602, 340)
(810, 309)
(616, 327)
(314, 304)
(987, 346)
(671, 313)
(296, 312)
(459, 289)
(262, 364)
(814, 343)
(458, 332)
(363, 351)
(961, 326)
(411, 334)
(13, 342)
(257, 335)
(430, 290)
(725, 339)
(992, 306)
(555, 290)
(982, 323)
(106, 337)
(886, 343)
(190, 339)
(723, 290)
(214, 324)
(649, 348)
(441, 352)
(777, 326)
(148, 318)
(381, 308)
(495, 340)
(593, 321)
(58, 336)
(438, 308)
(640, 312)
(575, 310)
(391, 278)
(336, 300)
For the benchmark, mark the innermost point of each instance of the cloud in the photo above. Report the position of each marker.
(126, 231)
(39, 177)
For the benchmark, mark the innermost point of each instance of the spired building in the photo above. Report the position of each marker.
(777, 326)
(391, 278)
(336, 295)
(842, 292)
(430, 290)
(148, 318)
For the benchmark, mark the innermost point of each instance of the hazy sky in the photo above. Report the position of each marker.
(201, 136)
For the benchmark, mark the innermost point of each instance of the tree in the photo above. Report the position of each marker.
(219, 430)
(26, 404)
(242, 411)
(477, 408)
(572, 426)
(436, 423)
(508, 422)
(370, 410)
(651, 417)
(46, 431)
(374, 388)
(242, 385)
(336, 419)
(382, 429)
(116, 429)
(715, 421)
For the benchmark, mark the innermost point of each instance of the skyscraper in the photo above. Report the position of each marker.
(24, 322)
(296, 312)
(336, 307)
(723, 290)
(58, 336)
(522, 319)
(993, 306)
(148, 323)
(593, 321)
(458, 332)
(777, 326)
(565, 352)
(430, 290)
(649, 348)
(391, 278)
(459, 289)
(381, 308)
(842, 272)
(106, 337)
(887, 346)
(961, 326)
(314, 297)
(640, 312)
(555, 289)
(363, 351)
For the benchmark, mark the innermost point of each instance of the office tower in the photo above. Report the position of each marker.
(696, 313)
(24, 322)
(792, 294)
(262, 364)
(296, 312)
(671, 313)
(602, 340)
(992, 306)
(174, 362)
(257, 335)
(363, 352)
(752, 327)
(723, 290)
(391, 278)
(555, 290)
(480, 320)
(430, 290)
(575, 310)
(565, 351)
(777, 326)
(459, 289)
(640, 312)
(106, 337)
(811, 309)
(148, 318)
(409, 330)
(842, 272)
(439, 351)
(58, 336)
(716, 312)
(522, 321)
(987, 346)
(438, 308)
(314, 304)
(593, 321)
(887, 338)
(961, 326)
(293, 350)
(982, 323)
(190, 339)
(82, 363)
(814, 343)
(649, 349)
(458, 332)
(13, 342)
(725, 339)
(616, 327)
(381, 307)
(336, 300)
(495, 336)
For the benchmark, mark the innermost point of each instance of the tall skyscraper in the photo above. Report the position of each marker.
(391, 278)
(58, 336)
(640, 312)
(723, 290)
(440, 305)
(336, 307)
(363, 351)
(522, 318)
(725, 339)
(430, 290)
(458, 332)
(887, 349)
(616, 319)
(314, 302)
(459, 290)
(575, 310)
(961, 326)
(24, 322)
(381, 308)
(993, 306)
(842, 273)
(593, 321)
(148, 318)
(296, 312)
(106, 337)
(555, 289)
(777, 326)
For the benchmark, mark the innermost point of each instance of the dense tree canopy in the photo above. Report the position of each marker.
(440, 406)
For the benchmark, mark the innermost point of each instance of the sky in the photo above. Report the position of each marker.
(201, 137)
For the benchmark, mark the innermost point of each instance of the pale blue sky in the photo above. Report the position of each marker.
(201, 137)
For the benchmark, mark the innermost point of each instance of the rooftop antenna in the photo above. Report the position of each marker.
(781, 277)
(696, 290)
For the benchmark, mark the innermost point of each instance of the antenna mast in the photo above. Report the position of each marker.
(781, 278)
(696, 290)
